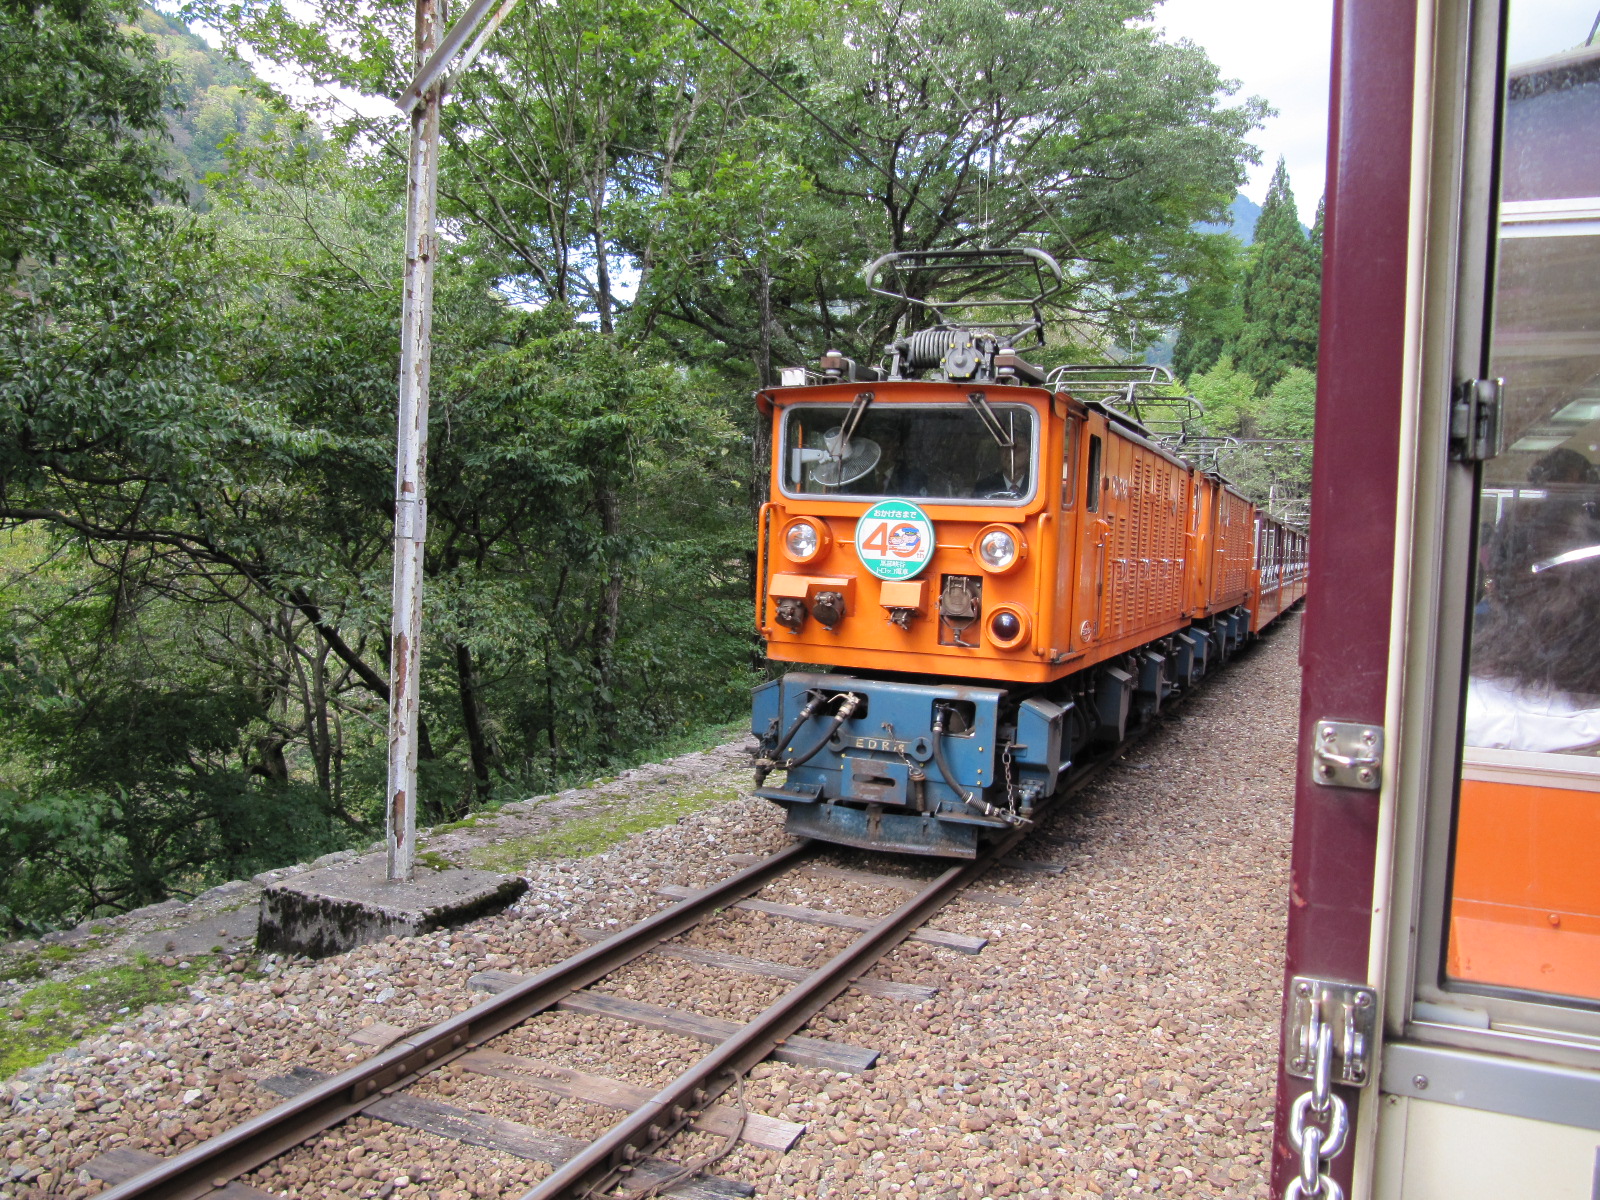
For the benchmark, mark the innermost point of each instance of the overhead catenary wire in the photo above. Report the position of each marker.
(972, 111)
(893, 179)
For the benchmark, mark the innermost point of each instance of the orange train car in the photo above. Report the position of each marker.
(986, 575)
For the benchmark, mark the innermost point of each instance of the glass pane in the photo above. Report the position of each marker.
(1525, 896)
(932, 452)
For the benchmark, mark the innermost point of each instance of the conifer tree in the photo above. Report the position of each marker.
(1212, 318)
(1280, 291)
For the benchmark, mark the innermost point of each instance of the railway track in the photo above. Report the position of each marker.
(627, 1156)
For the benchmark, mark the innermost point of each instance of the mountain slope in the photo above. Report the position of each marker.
(213, 98)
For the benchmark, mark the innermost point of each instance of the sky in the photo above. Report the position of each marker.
(1276, 49)
(1280, 50)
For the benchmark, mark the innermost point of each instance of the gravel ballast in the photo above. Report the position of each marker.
(1116, 1036)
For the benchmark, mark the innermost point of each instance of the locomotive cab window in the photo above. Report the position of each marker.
(944, 452)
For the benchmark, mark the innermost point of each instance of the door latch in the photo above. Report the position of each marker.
(1345, 1015)
(1475, 427)
(1347, 755)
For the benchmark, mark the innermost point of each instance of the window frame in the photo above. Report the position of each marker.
(1034, 466)
(1092, 473)
(1426, 754)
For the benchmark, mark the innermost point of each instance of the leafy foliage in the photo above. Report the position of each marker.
(1229, 398)
(1262, 304)
(213, 103)
(1280, 292)
(80, 120)
(641, 217)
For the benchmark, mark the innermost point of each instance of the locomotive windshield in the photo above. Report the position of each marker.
(933, 452)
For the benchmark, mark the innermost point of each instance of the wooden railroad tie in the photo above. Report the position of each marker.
(801, 1051)
(901, 882)
(963, 942)
(886, 989)
(497, 1133)
(768, 1133)
(122, 1163)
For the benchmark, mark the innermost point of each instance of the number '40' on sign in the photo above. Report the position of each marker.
(894, 539)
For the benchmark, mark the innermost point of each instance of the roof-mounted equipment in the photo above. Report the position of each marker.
(975, 339)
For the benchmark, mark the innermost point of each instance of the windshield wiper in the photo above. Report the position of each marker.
(851, 420)
(991, 421)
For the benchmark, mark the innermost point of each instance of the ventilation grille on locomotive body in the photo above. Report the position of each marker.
(961, 690)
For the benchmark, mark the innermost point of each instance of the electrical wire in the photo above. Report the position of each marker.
(972, 111)
(893, 179)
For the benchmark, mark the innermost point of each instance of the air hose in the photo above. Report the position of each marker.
(766, 766)
(967, 798)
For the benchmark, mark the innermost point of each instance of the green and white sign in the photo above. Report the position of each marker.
(894, 539)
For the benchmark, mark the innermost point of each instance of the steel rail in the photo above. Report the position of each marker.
(214, 1163)
(605, 1162)
(607, 1159)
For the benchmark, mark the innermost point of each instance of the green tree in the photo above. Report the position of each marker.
(213, 103)
(80, 126)
(1229, 399)
(1290, 407)
(937, 125)
(1212, 318)
(1280, 291)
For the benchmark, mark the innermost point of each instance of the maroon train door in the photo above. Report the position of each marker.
(1442, 975)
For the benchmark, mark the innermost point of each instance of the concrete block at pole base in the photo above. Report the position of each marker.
(352, 904)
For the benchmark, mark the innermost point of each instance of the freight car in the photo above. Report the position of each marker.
(987, 575)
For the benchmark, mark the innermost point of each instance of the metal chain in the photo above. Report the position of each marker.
(913, 769)
(1315, 1144)
(1011, 785)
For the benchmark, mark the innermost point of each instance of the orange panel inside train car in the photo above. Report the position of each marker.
(1525, 907)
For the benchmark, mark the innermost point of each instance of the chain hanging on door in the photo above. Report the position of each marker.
(1318, 1143)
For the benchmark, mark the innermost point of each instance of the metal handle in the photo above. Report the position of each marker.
(1348, 760)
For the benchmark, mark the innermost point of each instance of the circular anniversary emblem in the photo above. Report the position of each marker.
(894, 539)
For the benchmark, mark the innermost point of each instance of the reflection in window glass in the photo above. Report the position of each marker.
(933, 452)
(1525, 889)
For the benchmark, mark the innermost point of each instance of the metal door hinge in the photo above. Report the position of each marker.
(1348, 755)
(1475, 429)
(1346, 1011)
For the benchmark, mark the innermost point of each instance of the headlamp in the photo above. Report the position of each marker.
(803, 540)
(998, 548)
(1008, 627)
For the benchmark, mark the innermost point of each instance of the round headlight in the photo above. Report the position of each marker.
(803, 540)
(997, 549)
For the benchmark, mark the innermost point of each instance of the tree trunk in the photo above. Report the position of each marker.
(321, 742)
(472, 719)
(270, 761)
(606, 622)
(602, 277)
(764, 345)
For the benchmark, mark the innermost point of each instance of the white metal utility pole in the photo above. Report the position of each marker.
(411, 462)
(421, 101)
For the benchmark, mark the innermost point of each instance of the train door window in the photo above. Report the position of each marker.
(1091, 495)
(1517, 932)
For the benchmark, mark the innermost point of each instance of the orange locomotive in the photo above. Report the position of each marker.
(1002, 576)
